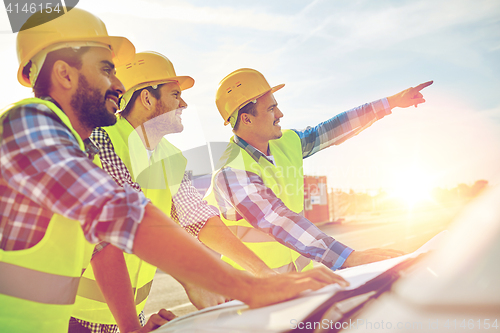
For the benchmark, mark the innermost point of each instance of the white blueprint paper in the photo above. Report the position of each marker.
(236, 317)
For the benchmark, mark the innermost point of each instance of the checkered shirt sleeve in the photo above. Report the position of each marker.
(106, 328)
(110, 161)
(243, 194)
(43, 171)
(341, 127)
(192, 211)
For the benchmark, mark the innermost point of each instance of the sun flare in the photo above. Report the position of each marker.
(412, 186)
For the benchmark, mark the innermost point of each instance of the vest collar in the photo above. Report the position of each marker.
(50, 99)
(251, 150)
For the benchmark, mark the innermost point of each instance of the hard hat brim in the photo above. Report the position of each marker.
(123, 52)
(273, 90)
(185, 82)
(278, 87)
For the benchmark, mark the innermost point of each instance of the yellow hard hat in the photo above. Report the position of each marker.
(148, 69)
(240, 88)
(77, 25)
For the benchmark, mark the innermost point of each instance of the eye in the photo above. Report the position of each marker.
(107, 70)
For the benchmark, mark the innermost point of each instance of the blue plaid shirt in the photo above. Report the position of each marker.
(43, 171)
(243, 194)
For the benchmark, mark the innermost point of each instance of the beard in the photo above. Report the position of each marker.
(90, 105)
(163, 121)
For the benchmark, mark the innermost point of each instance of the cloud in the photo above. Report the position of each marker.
(251, 18)
(361, 24)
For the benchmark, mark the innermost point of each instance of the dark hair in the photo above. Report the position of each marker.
(71, 56)
(250, 109)
(155, 92)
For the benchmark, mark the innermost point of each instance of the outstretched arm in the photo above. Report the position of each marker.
(341, 127)
(347, 124)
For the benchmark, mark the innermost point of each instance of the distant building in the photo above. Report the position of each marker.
(316, 207)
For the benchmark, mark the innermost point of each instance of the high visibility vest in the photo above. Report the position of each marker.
(38, 285)
(286, 180)
(159, 178)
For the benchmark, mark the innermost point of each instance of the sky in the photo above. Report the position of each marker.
(332, 56)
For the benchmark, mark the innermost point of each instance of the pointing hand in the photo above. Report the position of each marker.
(408, 97)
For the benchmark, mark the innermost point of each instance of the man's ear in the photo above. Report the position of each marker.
(146, 99)
(63, 75)
(245, 119)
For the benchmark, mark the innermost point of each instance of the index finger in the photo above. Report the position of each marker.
(423, 85)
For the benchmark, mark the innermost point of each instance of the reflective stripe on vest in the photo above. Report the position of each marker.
(285, 179)
(38, 284)
(159, 180)
(93, 292)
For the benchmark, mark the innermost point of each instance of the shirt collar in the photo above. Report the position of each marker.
(50, 99)
(91, 148)
(251, 150)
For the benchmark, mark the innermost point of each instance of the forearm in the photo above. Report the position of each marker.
(162, 243)
(217, 236)
(202, 298)
(110, 271)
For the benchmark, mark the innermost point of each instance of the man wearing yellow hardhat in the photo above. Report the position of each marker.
(135, 149)
(52, 195)
(259, 189)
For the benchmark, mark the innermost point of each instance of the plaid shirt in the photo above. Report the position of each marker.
(243, 194)
(43, 171)
(101, 328)
(188, 207)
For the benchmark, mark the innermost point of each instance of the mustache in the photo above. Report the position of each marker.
(111, 92)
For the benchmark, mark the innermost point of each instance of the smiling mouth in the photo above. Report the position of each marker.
(276, 122)
(114, 100)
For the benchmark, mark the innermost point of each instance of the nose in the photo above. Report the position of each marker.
(182, 104)
(278, 113)
(117, 85)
